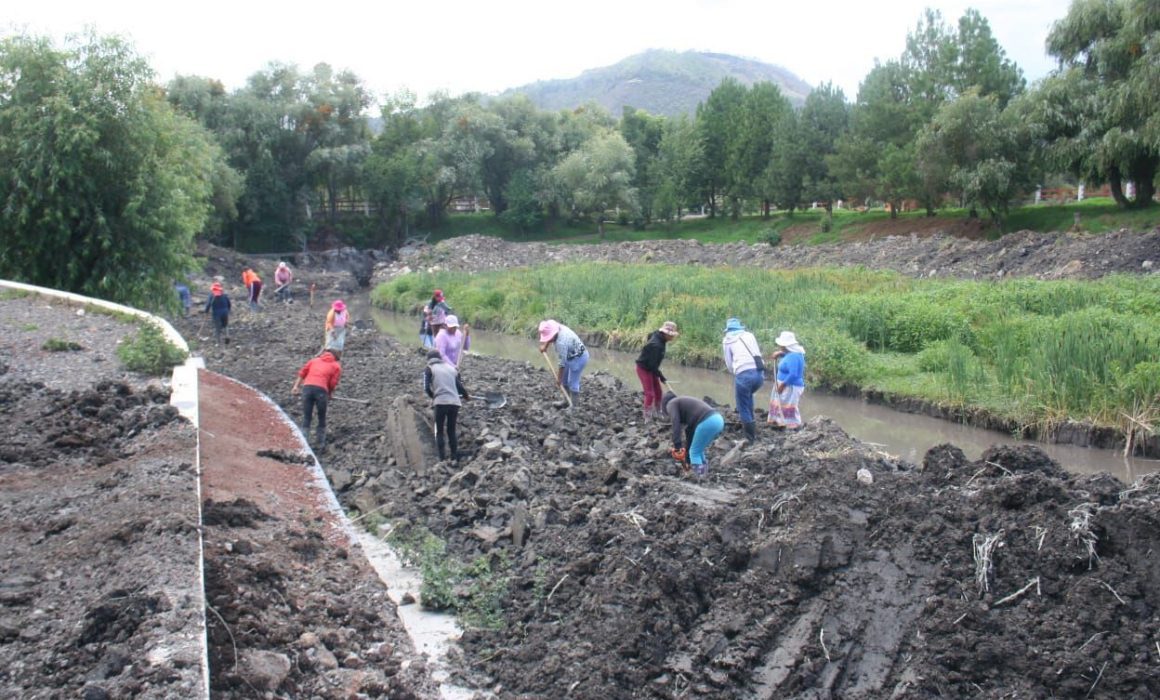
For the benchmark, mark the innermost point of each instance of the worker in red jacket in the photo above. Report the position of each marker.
(318, 379)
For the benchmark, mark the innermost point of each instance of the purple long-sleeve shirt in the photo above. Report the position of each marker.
(450, 345)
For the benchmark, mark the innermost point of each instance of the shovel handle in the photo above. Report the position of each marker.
(552, 371)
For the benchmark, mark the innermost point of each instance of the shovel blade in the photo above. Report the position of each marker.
(494, 399)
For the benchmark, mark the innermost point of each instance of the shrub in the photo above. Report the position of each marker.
(58, 345)
(935, 357)
(770, 236)
(149, 352)
(834, 358)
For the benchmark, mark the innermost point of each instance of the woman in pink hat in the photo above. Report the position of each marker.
(450, 342)
(570, 351)
(648, 367)
(336, 320)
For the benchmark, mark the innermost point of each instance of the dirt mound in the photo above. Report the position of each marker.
(781, 574)
(944, 251)
(100, 544)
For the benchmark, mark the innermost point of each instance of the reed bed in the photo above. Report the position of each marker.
(1031, 350)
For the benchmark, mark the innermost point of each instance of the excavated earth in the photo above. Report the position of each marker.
(781, 574)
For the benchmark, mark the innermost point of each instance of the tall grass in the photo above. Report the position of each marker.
(1032, 350)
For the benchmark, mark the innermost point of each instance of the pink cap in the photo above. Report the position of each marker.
(548, 330)
(339, 305)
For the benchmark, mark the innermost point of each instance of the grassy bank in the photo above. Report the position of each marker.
(1032, 351)
(1096, 215)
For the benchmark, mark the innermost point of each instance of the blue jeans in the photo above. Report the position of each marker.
(572, 371)
(745, 385)
(707, 431)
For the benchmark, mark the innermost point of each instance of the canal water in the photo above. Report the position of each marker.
(904, 434)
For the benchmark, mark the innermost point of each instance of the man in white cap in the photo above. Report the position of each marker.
(450, 343)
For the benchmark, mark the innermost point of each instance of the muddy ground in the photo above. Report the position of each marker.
(780, 575)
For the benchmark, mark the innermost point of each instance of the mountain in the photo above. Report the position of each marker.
(660, 82)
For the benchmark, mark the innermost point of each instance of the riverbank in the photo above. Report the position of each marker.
(1060, 361)
(780, 574)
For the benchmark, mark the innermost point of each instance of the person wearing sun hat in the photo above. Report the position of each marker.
(741, 356)
(450, 342)
(283, 276)
(790, 384)
(336, 320)
(648, 367)
(434, 315)
(219, 304)
(571, 354)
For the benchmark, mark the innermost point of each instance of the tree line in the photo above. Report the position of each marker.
(100, 161)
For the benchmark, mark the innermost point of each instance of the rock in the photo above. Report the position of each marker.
(263, 669)
(865, 477)
(340, 479)
(520, 482)
(519, 525)
(1147, 264)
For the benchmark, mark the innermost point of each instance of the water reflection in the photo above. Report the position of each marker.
(904, 434)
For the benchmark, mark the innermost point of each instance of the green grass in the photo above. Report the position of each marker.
(1097, 215)
(1034, 351)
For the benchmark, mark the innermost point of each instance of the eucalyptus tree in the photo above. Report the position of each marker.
(718, 122)
(519, 142)
(643, 132)
(763, 109)
(597, 178)
(1099, 112)
(678, 161)
(824, 118)
(105, 186)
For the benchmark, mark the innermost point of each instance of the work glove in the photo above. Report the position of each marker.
(679, 454)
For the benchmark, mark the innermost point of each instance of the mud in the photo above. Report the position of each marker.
(780, 575)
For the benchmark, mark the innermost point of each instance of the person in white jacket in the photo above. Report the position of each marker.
(741, 353)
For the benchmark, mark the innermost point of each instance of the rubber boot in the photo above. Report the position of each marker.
(575, 398)
(750, 432)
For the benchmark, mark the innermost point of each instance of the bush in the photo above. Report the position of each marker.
(834, 358)
(770, 236)
(149, 352)
(58, 345)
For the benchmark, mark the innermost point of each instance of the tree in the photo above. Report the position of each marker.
(643, 132)
(824, 117)
(677, 164)
(597, 177)
(978, 149)
(105, 185)
(718, 120)
(763, 109)
(1098, 112)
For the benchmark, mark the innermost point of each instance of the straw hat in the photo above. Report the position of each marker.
(669, 328)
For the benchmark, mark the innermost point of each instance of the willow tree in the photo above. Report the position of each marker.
(104, 185)
(1099, 111)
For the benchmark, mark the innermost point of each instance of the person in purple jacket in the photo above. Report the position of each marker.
(451, 342)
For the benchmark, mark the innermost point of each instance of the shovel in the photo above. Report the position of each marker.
(552, 371)
(494, 399)
(343, 398)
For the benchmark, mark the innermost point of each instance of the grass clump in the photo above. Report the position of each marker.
(149, 352)
(58, 345)
(476, 591)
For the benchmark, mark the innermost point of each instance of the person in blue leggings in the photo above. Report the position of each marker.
(697, 423)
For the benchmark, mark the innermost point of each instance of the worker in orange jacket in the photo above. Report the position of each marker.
(318, 379)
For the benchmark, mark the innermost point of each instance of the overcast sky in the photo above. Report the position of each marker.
(460, 46)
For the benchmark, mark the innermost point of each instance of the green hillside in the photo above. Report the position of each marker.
(661, 82)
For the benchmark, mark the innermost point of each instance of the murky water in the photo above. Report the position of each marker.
(904, 434)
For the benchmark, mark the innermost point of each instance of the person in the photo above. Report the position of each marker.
(219, 304)
(434, 316)
(318, 379)
(790, 383)
(450, 343)
(253, 285)
(283, 277)
(572, 355)
(741, 355)
(336, 320)
(441, 382)
(184, 297)
(701, 423)
(648, 367)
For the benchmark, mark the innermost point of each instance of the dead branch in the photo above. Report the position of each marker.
(1113, 591)
(1089, 641)
(234, 643)
(373, 510)
(553, 591)
(1098, 677)
(960, 618)
(1041, 532)
(635, 518)
(1021, 591)
(1081, 528)
(822, 641)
